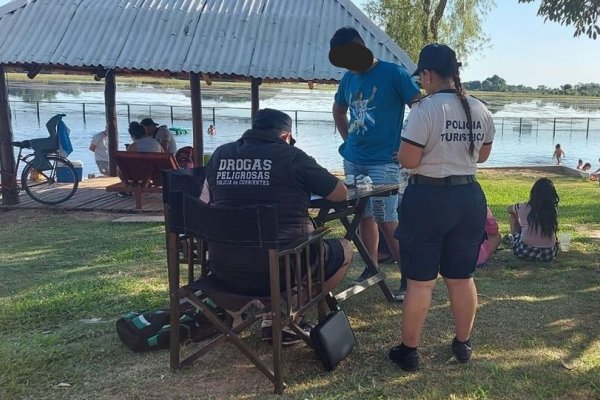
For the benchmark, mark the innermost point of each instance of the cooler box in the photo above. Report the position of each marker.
(64, 175)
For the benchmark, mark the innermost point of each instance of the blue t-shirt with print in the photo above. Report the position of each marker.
(376, 100)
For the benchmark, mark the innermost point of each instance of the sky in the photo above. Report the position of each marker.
(525, 50)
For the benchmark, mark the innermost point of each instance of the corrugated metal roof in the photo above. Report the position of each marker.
(274, 39)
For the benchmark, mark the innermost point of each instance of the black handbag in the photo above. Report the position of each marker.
(333, 339)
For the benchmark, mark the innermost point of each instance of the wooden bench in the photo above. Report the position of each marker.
(140, 173)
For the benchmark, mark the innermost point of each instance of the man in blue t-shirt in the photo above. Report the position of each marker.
(376, 93)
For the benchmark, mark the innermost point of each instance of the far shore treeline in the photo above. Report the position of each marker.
(494, 84)
(497, 84)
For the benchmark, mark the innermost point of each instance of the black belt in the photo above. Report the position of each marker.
(452, 180)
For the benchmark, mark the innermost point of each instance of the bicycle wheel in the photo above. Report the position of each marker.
(53, 186)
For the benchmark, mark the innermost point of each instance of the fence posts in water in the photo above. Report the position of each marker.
(296, 120)
(128, 113)
(554, 129)
(37, 106)
(84, 121)
(171, 115)
(587, 131)
(520, 126)
(150, 111)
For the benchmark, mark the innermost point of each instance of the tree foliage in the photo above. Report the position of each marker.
(415, 23)
(581, 14)
(497, 84)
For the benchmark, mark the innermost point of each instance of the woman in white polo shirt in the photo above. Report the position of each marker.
(443, 211)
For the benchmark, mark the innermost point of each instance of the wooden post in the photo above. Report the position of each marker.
(171, 115)
(554, 129)
(196, 94)
(10, 195)
(110, 106)
(84, 121)
(587, 131)
(37, 108)
(520, 126)
(255, 84)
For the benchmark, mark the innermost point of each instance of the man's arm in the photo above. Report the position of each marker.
(92, 147)
(165, 145)
(339, 193)
(412, 101)
(340, 117)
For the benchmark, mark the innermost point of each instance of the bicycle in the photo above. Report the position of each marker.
(52, 182)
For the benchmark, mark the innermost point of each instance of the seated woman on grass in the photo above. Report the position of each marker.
(534, 223)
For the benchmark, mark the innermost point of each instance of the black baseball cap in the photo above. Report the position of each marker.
(347, 50)
(439, 58)
(148, 122)
(270, 119)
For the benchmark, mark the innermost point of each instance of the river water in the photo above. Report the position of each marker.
(526, 130)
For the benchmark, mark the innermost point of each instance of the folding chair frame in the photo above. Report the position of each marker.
(307, 295)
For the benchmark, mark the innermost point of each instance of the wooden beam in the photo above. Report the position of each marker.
(10, 194)
(255, 84)
(196, 93)
(110, 106)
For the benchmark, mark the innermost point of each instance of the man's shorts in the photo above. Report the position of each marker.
(440, 231)
(527, 252)
(246, 270)
(382, 209)
(334, 257)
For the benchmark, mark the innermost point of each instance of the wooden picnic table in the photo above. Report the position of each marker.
(354, 207)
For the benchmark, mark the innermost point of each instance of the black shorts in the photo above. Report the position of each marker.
(334, 257)
(440, 231)
(245, 270)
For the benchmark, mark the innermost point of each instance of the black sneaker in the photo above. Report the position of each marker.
(408, 361)
(462, 350)
(366, 274)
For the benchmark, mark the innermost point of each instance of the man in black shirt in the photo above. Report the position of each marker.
(263, 167)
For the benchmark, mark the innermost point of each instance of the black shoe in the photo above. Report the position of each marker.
(401, 291)
(388, 259)
(462, 350)
(407, 360)
(366, 274)
(288, 336)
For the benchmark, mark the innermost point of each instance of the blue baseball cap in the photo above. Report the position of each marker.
(439, 58)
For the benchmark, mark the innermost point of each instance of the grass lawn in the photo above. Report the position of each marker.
(66, 277)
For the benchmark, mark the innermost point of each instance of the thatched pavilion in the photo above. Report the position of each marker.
(199, 40)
